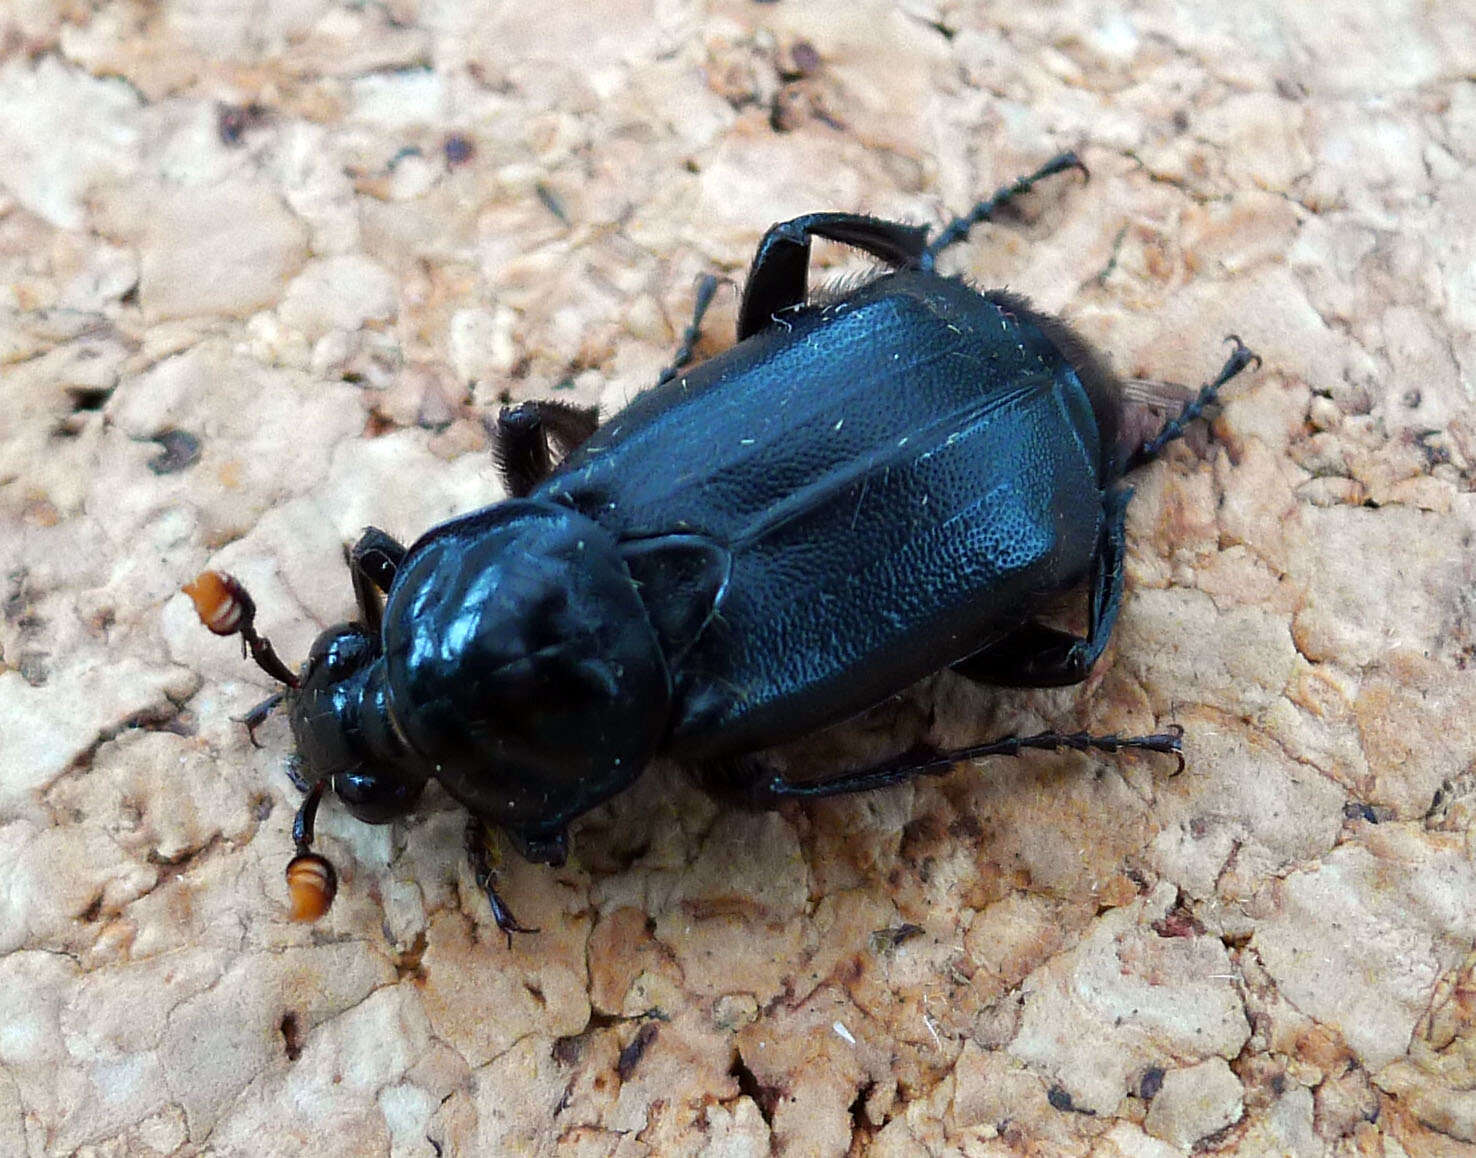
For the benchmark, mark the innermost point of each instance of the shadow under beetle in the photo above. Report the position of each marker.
(860, 492)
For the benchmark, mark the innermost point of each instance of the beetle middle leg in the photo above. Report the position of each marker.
(1036, 656)
(748, 780)
(520, 441)
(958, 229)
(481, 866)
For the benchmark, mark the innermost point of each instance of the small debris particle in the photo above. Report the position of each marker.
(458, 150)
(806, 59)
(631, 1055)
(233, 121)
(291, 1036)
(553, 203)
(895, 936)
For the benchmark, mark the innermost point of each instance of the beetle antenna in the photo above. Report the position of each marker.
(224, 606)
(312, 882)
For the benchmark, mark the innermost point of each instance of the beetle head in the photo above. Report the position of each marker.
(342, 731)
(337, 704)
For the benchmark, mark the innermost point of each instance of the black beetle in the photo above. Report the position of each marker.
(864, 490)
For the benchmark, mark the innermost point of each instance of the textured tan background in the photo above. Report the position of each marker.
(323, 240)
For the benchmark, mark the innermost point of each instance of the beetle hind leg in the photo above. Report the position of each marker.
(480, 857)
(1240, 357)
(520, 440)
(747, 780)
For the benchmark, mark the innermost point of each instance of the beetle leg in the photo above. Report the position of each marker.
(779, 276)
(481, 865)
(520, 440)
(1035, 656)
(749, 781)
(1031, 656)
(706, 288)
(958, 229)
(1240, 357)
(372, 562)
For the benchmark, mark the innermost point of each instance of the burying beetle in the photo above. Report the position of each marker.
(861, 492)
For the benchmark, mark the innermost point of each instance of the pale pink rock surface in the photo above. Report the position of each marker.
(265, 269)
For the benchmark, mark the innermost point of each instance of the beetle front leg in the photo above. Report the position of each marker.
(373, 561)
(778, 279)
(481, 865)
(1035, 656)
(520, 441)
(257, 716)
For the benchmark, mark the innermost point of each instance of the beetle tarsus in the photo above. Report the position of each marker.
(706, 288)
(482, 872)
(1240, 357)
(958, 229)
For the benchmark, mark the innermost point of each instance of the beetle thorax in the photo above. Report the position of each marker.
(520, 666)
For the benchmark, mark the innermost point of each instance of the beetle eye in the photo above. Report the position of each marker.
(375, 797)
(340, 651)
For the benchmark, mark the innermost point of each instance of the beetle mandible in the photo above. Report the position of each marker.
(865, 489)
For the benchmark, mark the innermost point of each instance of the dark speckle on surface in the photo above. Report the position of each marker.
(179, 450)
(458, 149)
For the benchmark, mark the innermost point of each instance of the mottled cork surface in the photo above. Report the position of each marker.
(265, 268)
